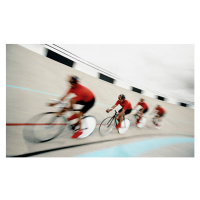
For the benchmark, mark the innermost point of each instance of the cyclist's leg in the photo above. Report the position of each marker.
(120, 117)
(125, 123)
(140, 113)
(72, 117)
(128, 111)
(143, 118)
(72, 102)
(159, 119)
(62, 111)
(79, 131)
(155, 119)
(76, 115)
(86, 107)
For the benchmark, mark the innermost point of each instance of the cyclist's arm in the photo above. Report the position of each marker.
(135, 106)
(111, 108)
(53, 104)
(114, 106)
(153, 111)
(63, 98)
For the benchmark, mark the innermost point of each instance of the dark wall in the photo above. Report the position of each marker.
(183, 104)
(59, 58)
(161, 98)
(106, 78)
(136, 90)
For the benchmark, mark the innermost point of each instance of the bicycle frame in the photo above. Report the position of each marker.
(107, 125)
(62, 105)
(114, 117)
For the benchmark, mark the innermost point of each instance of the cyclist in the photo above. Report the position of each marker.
(126, 108)
(143, 110)
(84, 96)
(160, 112)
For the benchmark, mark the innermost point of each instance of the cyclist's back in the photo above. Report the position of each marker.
(82, 93)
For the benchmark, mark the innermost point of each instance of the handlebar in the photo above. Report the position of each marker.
(60, 104)
(113, 110)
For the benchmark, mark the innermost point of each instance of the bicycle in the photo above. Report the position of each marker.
(49, 126)
(109, 123)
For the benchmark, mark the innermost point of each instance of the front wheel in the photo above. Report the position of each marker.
(48, 126)
(106, 126)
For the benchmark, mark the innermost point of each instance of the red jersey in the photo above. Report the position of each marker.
(143, 104)
(126, 105)
(82, 93)
(160, 110)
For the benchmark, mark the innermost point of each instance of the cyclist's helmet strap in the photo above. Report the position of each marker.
(121, 96)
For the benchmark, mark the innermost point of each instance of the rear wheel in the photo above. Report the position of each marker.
(88, 124)
(106, 126)
(48, 126)
(124, 126)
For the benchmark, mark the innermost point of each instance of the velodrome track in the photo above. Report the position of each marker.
(31, 80)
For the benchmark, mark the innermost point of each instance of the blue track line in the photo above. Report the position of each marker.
(31, 90)
(45, 93)
(138, 148)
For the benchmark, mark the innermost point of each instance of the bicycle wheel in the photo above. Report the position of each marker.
(124, 126)
(88, 124)
(48, 126)
(106, 126)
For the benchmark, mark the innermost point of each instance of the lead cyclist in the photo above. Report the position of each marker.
(84, 96)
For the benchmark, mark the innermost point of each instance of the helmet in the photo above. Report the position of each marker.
(74, 79)
(121, 96)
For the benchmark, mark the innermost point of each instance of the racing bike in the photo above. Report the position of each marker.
(48, 125)
(109, 124)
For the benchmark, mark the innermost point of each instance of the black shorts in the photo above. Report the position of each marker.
(161, 114)
(126, 111)
(87, 105)
(145, 110)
